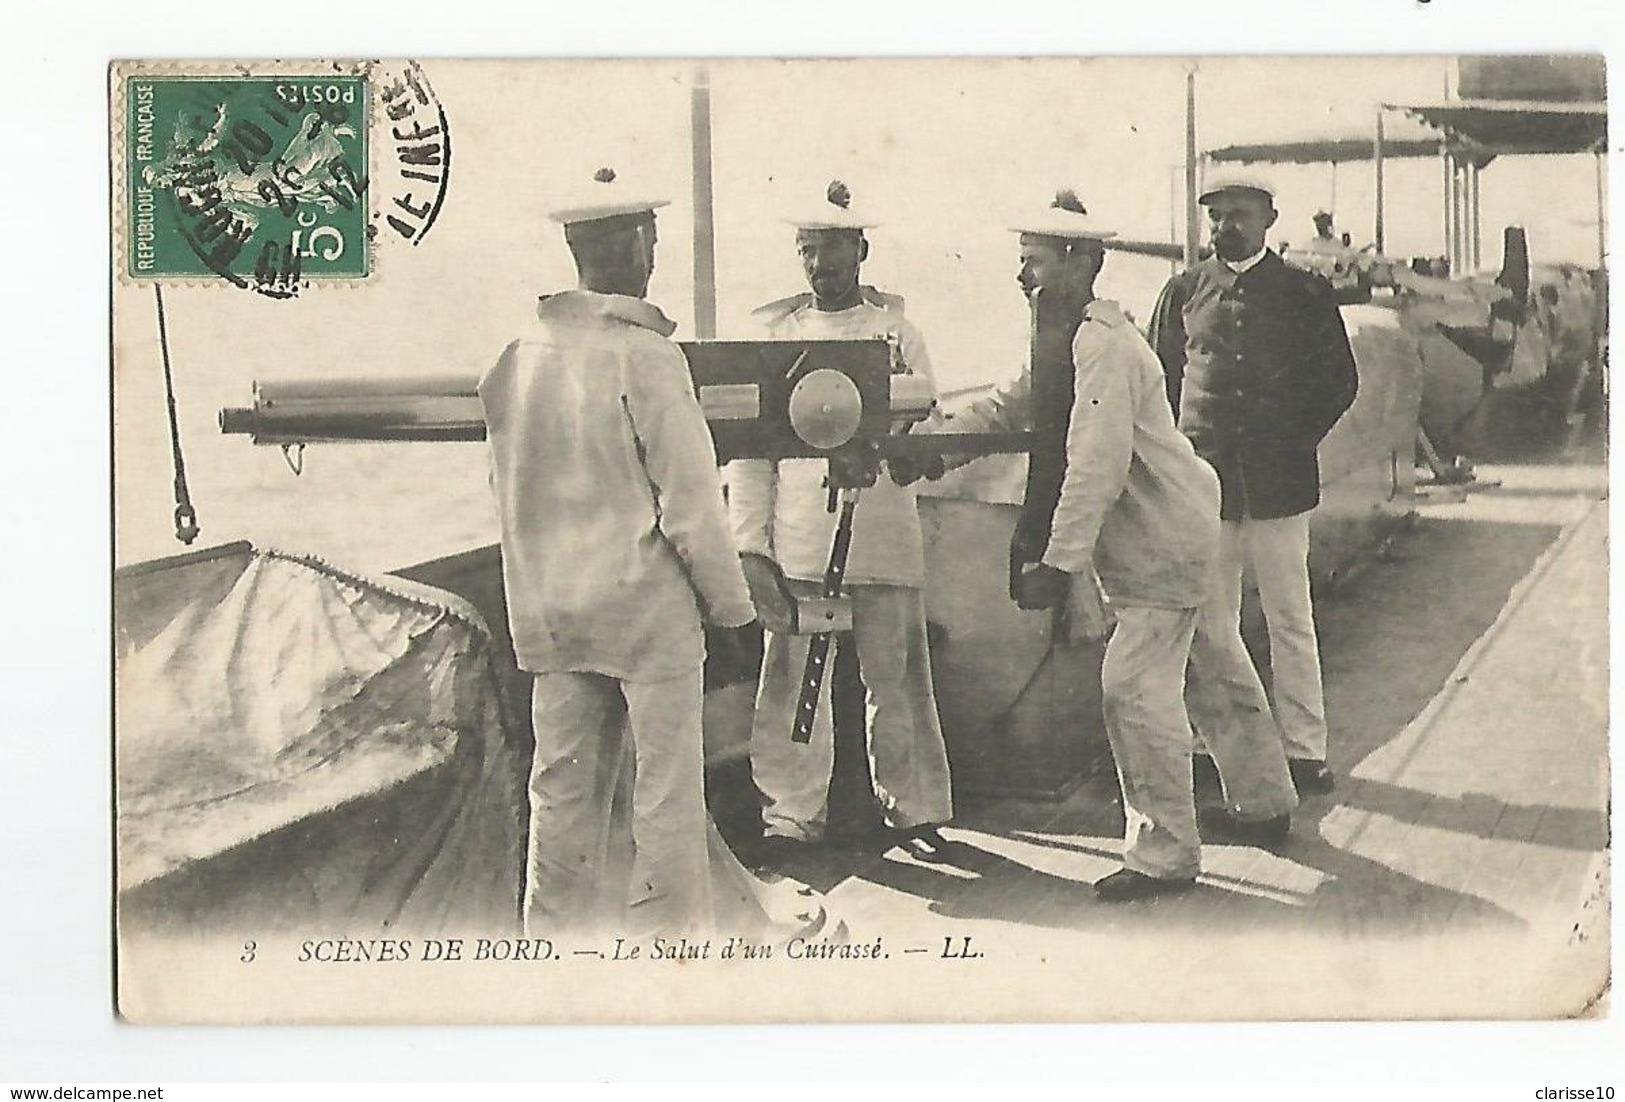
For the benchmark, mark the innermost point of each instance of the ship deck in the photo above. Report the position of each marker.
(1466, 681)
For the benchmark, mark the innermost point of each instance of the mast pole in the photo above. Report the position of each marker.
(1458, 218)
(1193, 222)
(1448, 160)
(1376, 159)
(1478, 236)
(1173, 213)
(1602, 211)
(705, 246)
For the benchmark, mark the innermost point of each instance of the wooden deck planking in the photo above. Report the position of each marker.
(1487, 806)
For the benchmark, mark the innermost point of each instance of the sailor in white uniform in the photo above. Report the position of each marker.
(615, 552)
(780, 512)
(1140, 507)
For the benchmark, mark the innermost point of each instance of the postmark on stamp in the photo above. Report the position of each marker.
(419, 142)
(260, 181)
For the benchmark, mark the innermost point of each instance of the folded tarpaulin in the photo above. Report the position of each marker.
(302, 748)
(298, 745)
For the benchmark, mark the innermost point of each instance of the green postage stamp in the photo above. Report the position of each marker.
(260, 181)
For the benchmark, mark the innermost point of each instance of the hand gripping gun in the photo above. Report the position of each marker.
(847, 402)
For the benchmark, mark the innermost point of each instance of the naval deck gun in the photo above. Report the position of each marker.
(848, 402)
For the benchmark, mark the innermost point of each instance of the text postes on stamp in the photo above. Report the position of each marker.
(258, 181)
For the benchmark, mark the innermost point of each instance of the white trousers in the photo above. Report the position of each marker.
(1143, 683)
(1278, 553)
(586, 726)
(1231, 712)
(907, 758)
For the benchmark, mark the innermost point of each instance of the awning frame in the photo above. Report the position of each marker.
(1466, 150)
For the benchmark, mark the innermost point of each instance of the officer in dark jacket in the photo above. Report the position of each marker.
(1259, 369)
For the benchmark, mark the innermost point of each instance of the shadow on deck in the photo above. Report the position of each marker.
(1392, 639)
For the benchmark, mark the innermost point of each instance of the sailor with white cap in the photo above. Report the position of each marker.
(779, 513)
(1114, 488)
(615, 552)
(1260, 369)
(1324, 242)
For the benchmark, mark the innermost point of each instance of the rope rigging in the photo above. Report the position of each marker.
(186, 526)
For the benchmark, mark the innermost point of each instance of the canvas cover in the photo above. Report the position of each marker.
(298, 744)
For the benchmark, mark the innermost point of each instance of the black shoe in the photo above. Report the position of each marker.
(1126, 884)
(1310, 777)
(1264, 833)
(779, 853)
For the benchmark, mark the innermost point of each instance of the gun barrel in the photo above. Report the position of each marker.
(349, 388)
(295, 417)
(237, 421)
(742, 397)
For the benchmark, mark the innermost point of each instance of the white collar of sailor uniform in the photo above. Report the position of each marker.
(1106, 312)
(779, 309)
(581, 305)
(1239, 266)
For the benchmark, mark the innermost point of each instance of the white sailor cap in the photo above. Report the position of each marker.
(605, 197)
(834, 213)
(1231, 182)
(1065, 217)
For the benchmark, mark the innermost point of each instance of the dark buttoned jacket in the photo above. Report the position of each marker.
(1259, 369)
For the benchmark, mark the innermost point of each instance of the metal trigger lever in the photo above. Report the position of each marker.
(294, 456)
(812, 677)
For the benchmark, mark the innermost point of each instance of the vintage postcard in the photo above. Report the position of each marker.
(974, 540)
